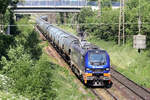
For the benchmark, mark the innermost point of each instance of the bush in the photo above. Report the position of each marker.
(29, 71)
(40, 81)
(29, 39)
(5, 42)
(33, 80)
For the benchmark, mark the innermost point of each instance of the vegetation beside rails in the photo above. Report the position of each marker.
(10, 96)
(25, 66)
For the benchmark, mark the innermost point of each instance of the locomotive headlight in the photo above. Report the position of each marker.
(87, 69)
(107, 69)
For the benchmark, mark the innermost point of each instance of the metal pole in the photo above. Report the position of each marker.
(0, 23)
(139, 24)
(123, 23)
(139, 20)
(8, 29)
(65, 19)
(99, 5)
(120, 22)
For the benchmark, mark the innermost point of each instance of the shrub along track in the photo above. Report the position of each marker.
(114, 93)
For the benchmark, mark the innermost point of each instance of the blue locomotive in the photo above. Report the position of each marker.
(90, 63)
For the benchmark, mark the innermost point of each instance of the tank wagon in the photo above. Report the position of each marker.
(90, 63)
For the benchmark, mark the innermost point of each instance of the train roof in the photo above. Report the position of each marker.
(87, 45)
(45, 21)
(67, 32)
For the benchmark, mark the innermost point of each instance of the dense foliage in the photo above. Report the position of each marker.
(5, 42)
(106, 26)
(28, 72)
(23, 63)
(3, 5)
(6, 15)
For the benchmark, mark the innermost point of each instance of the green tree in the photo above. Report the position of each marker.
(6, 15)
(5, 42)
(40, 81)
(29, 38)
(106, 27)
(83, 15)
(28, 78)
(3, 5)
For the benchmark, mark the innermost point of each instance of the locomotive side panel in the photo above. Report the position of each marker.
(67, 44)
(77, 57)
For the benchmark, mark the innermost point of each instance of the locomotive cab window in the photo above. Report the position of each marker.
(97, 58)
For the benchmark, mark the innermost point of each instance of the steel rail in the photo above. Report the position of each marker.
(114, 97)
(129, 84)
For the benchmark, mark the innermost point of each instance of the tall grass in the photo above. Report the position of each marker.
(11, 96)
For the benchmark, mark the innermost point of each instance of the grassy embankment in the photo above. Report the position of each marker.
(126, 59)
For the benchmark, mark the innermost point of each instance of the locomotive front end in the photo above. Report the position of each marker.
(97, 68)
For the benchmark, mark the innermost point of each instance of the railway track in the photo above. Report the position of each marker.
(141, 92)
(111, 94)
(105, 94)
(99, 97)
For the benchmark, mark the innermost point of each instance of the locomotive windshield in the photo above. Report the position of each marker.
(97, 58)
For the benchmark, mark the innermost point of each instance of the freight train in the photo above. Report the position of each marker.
(90, 63)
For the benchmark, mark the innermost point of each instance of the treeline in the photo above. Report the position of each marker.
(24, 69)
(28, 70)
(106, 26)
(6, 16)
